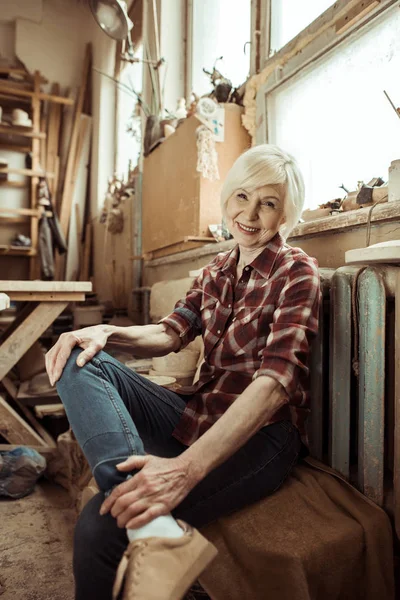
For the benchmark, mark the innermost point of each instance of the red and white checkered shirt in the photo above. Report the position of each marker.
(261, 325)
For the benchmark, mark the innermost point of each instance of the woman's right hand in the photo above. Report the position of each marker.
(91, 339)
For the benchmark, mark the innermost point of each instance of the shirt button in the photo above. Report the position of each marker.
(229, 305)
(219, 331)
(246, 268)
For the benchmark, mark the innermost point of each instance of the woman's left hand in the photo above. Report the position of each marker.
(159, 486)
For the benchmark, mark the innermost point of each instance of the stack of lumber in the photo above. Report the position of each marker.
(65, 153)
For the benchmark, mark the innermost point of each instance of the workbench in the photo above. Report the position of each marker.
(43, 302)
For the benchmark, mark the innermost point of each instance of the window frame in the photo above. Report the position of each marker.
(332, 28)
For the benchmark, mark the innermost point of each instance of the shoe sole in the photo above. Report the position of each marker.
(205, 557)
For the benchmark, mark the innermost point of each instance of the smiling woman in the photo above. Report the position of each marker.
(163, 459)
(266, 174)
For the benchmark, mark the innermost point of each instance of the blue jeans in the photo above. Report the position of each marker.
(114, 413)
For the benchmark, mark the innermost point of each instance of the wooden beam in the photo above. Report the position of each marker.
(13, 184)
(27, 212)
(11, 389)
(66, 201)
(48, 297)
(14, 429)
(43, 410)
(22, 131)
(355, 14)
(10, 286)
(36, 323)
(28, 94)
(26, 172)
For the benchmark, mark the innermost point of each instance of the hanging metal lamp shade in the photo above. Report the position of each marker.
(112, 17)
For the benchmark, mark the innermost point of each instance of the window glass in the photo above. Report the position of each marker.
(220, 30)
(289, 17)
(129, 115)
(335, 118)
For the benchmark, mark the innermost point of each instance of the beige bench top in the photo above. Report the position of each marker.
(45, 286)
(4, 301)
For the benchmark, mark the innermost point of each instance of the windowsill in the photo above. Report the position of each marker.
(387, 211)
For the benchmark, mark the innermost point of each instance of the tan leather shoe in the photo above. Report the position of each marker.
(163, 568)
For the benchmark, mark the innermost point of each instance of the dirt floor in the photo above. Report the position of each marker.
(36, 545)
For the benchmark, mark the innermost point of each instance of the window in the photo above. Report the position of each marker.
(289, 17)
(219, 30)
(334, 116)
(129, 116)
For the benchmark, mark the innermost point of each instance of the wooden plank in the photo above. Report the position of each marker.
(355, 14)
(22, 131)
(43, 410)
(44, 286)
(43, 143)
(28, 212)
(31, 94)
(65, 210)
(353, 218)
(15, 346)
(11, 389)
(173, 249)
(53, 138)
(23, 72)
(14, 429)
(26, 172)
(13, 184)
(87, 252)
(48, 297)
(34, 229)
(14, 148)
(15, 251)
(20, 317)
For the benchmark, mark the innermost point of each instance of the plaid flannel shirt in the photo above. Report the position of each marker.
(261, 325)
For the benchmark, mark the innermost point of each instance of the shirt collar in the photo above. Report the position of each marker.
(263, 263)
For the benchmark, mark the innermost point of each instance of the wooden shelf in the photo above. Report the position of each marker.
(13, 184)
(10, 250)
(26, 172)
(15, 148)
(27, 212)
(9, 89)
(22, 132)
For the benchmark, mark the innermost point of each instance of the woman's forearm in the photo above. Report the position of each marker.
(144, 340)
(250, 411)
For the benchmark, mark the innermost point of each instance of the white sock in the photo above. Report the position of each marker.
(164, 526)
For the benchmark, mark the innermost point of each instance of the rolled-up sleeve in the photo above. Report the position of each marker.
(294, 325)
(185, 319)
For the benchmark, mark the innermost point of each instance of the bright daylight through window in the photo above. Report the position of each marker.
(220, 31)
(334, 116)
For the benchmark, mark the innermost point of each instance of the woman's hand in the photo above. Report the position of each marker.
(159, 486)
(91, 339)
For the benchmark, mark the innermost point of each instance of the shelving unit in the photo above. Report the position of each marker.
(26, 140)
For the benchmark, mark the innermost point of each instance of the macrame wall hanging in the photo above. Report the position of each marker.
(207, 157)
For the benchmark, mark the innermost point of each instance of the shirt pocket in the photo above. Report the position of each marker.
(245, 329)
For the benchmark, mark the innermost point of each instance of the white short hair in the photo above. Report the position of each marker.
(265, 165)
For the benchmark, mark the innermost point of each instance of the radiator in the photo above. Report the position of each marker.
(332, 431)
